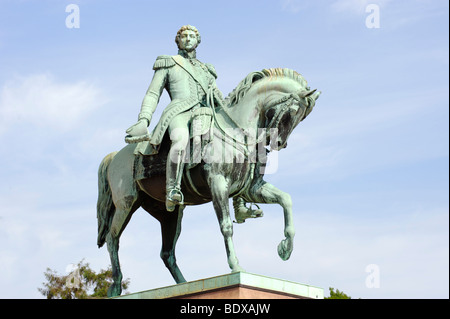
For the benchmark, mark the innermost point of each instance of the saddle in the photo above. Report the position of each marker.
(201, 120)
(200, 135)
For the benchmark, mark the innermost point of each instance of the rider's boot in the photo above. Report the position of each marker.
(174, 172)
(242, 212)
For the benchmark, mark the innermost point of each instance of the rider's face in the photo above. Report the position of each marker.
(188, 40)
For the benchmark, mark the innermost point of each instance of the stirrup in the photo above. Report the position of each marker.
(244, 212)
(174, 197)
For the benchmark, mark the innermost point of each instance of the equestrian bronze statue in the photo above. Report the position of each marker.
(203, 149)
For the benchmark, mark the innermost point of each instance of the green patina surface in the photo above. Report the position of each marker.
(231, 137)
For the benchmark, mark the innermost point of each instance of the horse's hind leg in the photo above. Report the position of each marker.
(122, 216)
(126, 200)
(126, 203)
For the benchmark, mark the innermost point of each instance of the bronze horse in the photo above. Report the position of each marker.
(266, 102)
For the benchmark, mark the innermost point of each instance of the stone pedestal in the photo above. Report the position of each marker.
(238, 285)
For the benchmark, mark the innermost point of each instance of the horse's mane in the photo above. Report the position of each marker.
(243, 86)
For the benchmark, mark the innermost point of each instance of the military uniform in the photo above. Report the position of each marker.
(187, 81)
(191, 85)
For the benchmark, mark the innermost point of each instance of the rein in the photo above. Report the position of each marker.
(285, 102)
(210, 100)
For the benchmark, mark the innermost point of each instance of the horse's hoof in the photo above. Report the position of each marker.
(284, 251)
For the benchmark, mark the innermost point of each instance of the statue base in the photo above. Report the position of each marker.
(239, 285)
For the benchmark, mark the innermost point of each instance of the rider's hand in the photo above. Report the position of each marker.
(138, 129)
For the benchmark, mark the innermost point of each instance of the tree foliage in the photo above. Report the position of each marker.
(337, 294)
(81, 283)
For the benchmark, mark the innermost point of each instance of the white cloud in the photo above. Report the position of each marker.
(41, 101)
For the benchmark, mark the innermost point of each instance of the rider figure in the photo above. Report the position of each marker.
(190, 84)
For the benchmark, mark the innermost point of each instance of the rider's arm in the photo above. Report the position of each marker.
(153, 94)
(218, 97)
(151, 98)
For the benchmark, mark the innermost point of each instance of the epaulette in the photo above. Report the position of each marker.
(211, 70)
(163, 61)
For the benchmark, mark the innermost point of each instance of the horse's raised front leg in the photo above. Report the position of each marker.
(220, 194)
(268, 194)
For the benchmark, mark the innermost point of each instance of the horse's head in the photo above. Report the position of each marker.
(284, 111)
(274, 99)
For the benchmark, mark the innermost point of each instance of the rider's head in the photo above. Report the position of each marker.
(187, 38)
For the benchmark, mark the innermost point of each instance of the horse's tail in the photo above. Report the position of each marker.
(105, 204)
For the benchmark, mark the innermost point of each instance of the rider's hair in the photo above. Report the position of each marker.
(184, 28)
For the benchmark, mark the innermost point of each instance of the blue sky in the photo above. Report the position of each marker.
(367, 170)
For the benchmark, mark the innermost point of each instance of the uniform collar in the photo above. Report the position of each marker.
(188, 55)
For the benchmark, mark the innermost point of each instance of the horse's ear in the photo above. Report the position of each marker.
(317, 94)
(306, 93)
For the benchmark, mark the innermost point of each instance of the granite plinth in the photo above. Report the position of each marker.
(237, 285)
